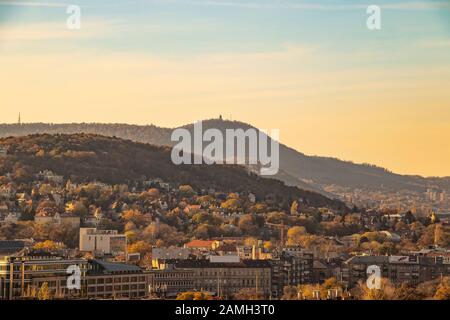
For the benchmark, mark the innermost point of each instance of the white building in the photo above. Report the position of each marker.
(3, 151)
(102, 241)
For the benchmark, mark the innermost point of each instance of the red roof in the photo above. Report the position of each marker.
(199, 244)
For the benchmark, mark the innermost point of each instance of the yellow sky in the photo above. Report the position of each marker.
(352, 104)
(375, 117)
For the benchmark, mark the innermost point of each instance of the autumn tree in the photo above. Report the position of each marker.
(49, 245)
(443, 290)
(295, 234)
(44, 292)
(193, 296)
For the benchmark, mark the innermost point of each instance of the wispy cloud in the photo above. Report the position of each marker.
(55, 31)
(32, 4)
(270, 4)
(436, 43)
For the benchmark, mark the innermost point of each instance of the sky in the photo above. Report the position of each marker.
(309, 68)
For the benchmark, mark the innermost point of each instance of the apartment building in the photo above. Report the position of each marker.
(398, 269)
(290, 267)
(168, 283)
(111, 280)
(102, 241)
(221, 276)
(23, 274)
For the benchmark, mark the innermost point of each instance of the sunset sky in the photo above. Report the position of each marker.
(310, 68)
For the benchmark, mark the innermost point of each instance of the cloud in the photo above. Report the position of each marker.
(55, 31)
(255, 4)
(436, 43)
(33, 4)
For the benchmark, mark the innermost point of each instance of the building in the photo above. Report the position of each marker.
(253, 252)
(291, 267)
(398, 269)
(58, 219)
(8, 247)
(50, 176)
(115, 280)
(3, 151)
(169, 282)
(202, 245)
(22, 275)
(102, 241)
(28, 272)
(161, 255)
(220, 276)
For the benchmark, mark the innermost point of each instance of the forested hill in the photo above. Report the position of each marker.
(296, 168)
(87, 157)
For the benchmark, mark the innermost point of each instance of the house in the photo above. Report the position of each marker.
(350, 241)
(11, 218)
(58, 219)
(6, 191)
(392, 236)
(192, 209)
(50, 176)
(3, 151)
(161, 255)
(202, 245)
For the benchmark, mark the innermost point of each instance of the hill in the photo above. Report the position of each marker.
(297, 169)
(88, 157)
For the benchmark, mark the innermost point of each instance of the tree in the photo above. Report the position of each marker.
(44, 292)
(77, 208)
(140, 247)
(295, 234)
(386, 292)
(407, 292)
(231, 204)
(48, 245)
(193, 296)
(248, 294)
(290, 293)
(443, 290)
(247, 224)
(186, 190)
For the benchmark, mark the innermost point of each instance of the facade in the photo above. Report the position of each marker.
(398, 269)
(224, 279)
(98, 279)
(3, 152)
(58, 219)
(115, 280)
(292, 267)
(21, 275)
(102, 241)
(168, 283)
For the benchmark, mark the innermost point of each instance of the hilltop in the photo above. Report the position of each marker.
(297, 169)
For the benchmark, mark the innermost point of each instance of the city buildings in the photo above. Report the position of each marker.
(22, 275)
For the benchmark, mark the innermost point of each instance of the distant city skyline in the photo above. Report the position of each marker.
(311, 69)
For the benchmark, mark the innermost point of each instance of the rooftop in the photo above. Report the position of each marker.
(106, 267)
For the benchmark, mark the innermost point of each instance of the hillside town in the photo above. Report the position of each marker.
(150, 239)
